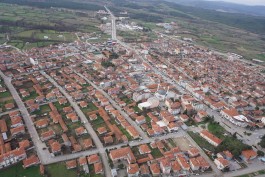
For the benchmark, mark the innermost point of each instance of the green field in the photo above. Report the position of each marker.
(59, 169)
(18, 171)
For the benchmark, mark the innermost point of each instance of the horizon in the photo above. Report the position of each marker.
(244, 2)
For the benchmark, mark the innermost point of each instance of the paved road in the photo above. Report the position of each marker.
(85, 122)
(113, 24)
(115, 105)
(7, 112)
(43, 154)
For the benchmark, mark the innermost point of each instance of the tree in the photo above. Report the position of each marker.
(260, 153)
(262, 142)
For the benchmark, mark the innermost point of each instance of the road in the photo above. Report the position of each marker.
(113, 24)
(42, 154)
(7, 112)
(116, 106)
(85, 122)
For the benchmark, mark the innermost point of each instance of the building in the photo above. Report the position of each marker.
(210, 138)
(248, 155)
(122, 154)
(12, 157)
(221, 163)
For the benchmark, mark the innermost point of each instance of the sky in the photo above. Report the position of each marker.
(247, 2)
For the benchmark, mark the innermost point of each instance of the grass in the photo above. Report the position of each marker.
(90, 107)
(5, 94)
(258, 173)
(32, 95)
(59, 169)
(201, 142)
(123, 130)
(45, 108)
(156, 153)
(216, 129)
(18, 171)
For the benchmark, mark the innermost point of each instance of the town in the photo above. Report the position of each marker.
(162, 108)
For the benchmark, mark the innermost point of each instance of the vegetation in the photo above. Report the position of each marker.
(18, 171)
(33, 27)
(107, 64)
(232, 144)
(59, 169)
(258, 173)
(201, 141)
(262, 142)
(156, 153)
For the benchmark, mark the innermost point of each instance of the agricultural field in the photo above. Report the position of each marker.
(26, 27)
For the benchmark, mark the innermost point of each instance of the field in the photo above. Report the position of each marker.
(237, 33)
(28, 27)
(59, 169)
(18, 171)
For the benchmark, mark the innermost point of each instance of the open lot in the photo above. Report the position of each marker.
(182, 143)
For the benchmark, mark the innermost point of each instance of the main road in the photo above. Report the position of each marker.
(113, 24)
(87, 125)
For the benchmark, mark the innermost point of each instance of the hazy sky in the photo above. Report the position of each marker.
(248, 2)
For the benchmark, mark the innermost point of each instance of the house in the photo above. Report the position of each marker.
(225, 154)
(66, 140)
(32, 160)
(93, 117)
(221, 163)
(3, 126)
(71, 164)
(183, 162)
(83, 104)
(47, 135)
(193, 152)
(122, 154)
(16, 121)
(102, 130)
(144, 170)
(212, 139)
(55, 147)
(172, 127)
(133, 132)
(98, 167)
(108, 139)
(87, 143)
(92, 159)
(80, 131)
(24, 144)
(62, 101)
(184, 117)
(144, 149)
(42, 123)
(17, 130)
(204, 165)
(82, 161)
(12, 157)
(176, 168)
(155, 169)
(9, 106)
(248, 155)
(165, 166)
(140, 120)
(194, 164)
(133, 170)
